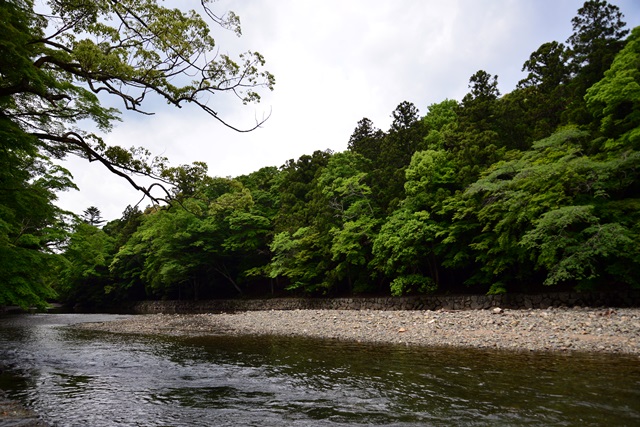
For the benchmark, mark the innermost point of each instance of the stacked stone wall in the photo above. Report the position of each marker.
(427, 302)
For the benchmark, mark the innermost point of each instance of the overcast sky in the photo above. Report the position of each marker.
(335, 62)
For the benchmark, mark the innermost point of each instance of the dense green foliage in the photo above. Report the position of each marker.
(493, 193)
(55, 58)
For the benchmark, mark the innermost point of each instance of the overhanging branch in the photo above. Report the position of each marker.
(74, 138)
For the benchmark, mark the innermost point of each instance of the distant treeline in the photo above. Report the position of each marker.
(491, 194)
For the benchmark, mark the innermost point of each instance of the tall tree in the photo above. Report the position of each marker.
(546, 68)
(544, 92)
(478, 144)
(406, 249)
(295, 186)
(405, 137)
(439, 123)
(85, 275)
(32, 228)
(92, 216)
(343, 184)
(479, 105)
(366, 139)
(598, 33)
(126, 283)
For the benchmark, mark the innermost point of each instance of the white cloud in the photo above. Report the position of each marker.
(336, 61)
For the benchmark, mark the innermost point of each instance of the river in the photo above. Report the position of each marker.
(83, 378)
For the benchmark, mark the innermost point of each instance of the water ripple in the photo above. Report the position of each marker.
(79, 378)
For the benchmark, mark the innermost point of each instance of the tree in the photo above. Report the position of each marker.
(302, 258)
(407, 248)
(597, 36)
(32, 228)
(242, 233)
(400, 249)
(558, 212)
(343, 185)
(598, 32)
(301, 243)
(478, 143)
(85, 275)
(405, 137)
(404, 116)
(295, 186)
(440, 122)
(365, 140)
(479, 106)
(354, 224)
(615, 100)
(258, 227)
(546, 68)
(405, 134)
(543, 95)
(201, 247)
(186, 178)
(262, 185)
(326, 249)
(121, 229)
(571, 243)
(483, 87)
(125, 274)
(92, 216)
(54, 65)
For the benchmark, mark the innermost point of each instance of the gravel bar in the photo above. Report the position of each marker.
(555, 329)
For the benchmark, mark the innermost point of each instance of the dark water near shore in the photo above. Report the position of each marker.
(80, 378)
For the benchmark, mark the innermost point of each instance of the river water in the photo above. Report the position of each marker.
(82, 378)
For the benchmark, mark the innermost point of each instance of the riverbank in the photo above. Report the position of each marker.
(554, 329)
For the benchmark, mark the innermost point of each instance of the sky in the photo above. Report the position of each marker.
(335, 62)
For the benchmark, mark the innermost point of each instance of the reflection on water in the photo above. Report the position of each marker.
(78, 378)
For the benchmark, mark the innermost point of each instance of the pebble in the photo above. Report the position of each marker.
(561, 329)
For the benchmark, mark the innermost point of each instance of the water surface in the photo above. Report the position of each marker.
(84, 378)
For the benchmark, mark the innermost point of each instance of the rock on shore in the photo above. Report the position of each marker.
(554, 329)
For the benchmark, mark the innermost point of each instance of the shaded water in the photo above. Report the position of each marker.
(80, 378)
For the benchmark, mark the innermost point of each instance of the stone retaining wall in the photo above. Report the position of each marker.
(431, 302)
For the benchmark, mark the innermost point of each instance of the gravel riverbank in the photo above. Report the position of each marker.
(554, 329)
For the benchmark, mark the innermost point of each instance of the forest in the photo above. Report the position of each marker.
(531, 190)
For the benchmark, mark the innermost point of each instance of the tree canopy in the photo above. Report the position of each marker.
(58, 60)
(492, 193)
(57, 63)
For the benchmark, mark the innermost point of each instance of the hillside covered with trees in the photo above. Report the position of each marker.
(492, 193)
